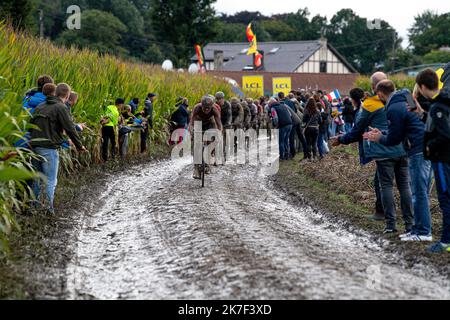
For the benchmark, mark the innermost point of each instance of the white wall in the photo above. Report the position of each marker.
(334, 65)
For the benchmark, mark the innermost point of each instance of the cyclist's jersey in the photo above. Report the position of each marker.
(209, 120)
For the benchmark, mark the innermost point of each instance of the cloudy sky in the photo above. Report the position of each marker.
(399, 14)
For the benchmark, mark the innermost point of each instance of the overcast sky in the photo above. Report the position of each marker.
(400, 14)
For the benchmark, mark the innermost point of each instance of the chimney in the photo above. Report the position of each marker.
(218, 60)
(323, 49)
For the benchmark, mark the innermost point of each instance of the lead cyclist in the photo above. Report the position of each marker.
(210, 117)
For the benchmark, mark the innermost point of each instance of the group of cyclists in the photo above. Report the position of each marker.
(216, 112)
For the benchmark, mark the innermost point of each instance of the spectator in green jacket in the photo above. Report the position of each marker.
(110, 121)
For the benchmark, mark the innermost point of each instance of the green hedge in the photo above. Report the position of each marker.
(401, 82)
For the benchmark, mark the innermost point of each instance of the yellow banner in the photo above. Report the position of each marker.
(282, 85)
(254, 84)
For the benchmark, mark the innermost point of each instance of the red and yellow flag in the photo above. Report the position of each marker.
(252, 39)
(250, 34)
(253, 47)
(201, 58)
(258, 59)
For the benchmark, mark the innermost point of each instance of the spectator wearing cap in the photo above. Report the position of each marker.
(110, 121)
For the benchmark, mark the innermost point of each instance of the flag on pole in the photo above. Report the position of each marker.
(201, 58)
(253, 47)
(334, 95)
(250, 34)
(252, 39)
(258, 59)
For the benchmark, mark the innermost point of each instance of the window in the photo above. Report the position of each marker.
(323, 67)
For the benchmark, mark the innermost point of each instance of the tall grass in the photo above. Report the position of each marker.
(98, 81)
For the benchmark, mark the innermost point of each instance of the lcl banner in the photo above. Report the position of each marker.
(254, 84)
(282, 85)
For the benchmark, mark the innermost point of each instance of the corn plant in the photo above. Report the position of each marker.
(98, 79)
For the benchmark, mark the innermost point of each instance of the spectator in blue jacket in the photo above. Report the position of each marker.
(392, 162)
(134, 104)
(356, 135)
(287, 102)
(406, 127)
(35, 97)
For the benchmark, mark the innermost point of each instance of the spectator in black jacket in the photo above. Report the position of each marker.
(312, 119)
(348, 113)
(180, 119)
(437, 147)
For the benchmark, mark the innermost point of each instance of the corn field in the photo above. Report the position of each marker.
(98, 80)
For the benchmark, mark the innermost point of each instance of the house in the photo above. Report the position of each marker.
(288, 57)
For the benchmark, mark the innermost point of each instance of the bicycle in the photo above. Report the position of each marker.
(203, 167)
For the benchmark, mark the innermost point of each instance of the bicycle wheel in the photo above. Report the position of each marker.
(203, 170)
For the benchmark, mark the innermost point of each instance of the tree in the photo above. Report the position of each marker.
(430, 32)
(403, 58)
(437, 56)
(304, 29)
(299, 21)
(260, 32)
(182, 24)
(230, 32)
(363, 47)
(317, 26)
(19, 12)
(153, 55)
(100, 31)
(244, 17)
(278, 30)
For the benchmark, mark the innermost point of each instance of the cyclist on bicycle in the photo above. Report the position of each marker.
(206, 113)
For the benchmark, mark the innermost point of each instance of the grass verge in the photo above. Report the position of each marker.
(343, 189)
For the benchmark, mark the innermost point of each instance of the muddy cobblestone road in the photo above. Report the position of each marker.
(158, 235)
